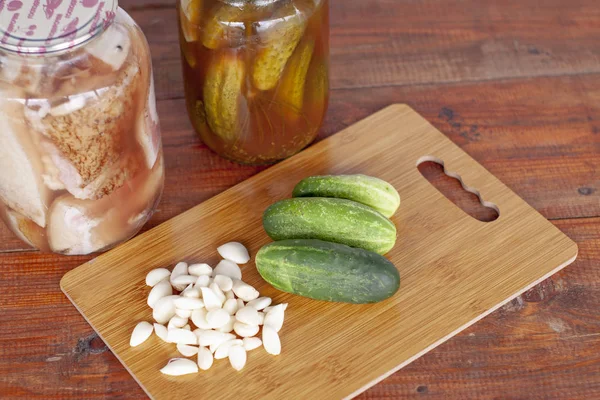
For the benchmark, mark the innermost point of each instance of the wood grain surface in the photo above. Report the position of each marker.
(513, 83)
(454, 269)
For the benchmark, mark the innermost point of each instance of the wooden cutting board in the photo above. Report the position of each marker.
(454, 269)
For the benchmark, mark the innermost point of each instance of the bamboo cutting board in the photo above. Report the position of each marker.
(454, 270)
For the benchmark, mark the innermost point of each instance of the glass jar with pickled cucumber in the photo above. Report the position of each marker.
(255, 74)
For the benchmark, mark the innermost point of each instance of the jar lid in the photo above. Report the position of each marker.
(45, 26)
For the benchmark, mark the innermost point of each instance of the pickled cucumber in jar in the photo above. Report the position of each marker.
(256, 74)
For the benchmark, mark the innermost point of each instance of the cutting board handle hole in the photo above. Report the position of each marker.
(451, 185)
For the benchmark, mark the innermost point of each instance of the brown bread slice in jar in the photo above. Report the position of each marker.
(85, 135)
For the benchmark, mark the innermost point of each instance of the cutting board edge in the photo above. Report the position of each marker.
(462, 328)
(403, 107)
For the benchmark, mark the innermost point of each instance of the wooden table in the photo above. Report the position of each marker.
(515, 83)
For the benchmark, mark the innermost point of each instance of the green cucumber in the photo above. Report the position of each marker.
(327, 271)
(334, 220)
(364, 189)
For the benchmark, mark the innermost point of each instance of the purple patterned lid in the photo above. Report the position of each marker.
(44, 26)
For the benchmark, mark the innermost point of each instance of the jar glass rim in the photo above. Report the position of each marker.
(52, 27)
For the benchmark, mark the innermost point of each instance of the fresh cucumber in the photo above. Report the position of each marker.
(364, 189)
(327, 271)
(334, 220)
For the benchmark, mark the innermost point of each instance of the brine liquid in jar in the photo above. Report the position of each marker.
(81, 165)
(256, 74)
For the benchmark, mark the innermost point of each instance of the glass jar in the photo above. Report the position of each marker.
(81, 165)
(255, 74)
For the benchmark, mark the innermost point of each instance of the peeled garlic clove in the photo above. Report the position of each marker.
(217, 318)
(187, 327)
(261, 317)
(160, 290)
(205, 358)
(223, 349)
(208, 337)
(198, 332)
(141, 333)
(274, 318)
(260, 303)
(225, 283)
(188, 303)
(248, 315)
(228, 268)
(185, 279)
(177, 322)
(200, 269)
(228, 327)
(237, 357)
(186, 350)
(202, 281)
(164, 309)
(180, 268)
(187, 289)
(199, 318)
(244, 291)
(218, 292)
(213, 347)
(193, 293)
(240, 303)
(170, 324)
(161, 331)
(181, 336)
(182, 281)
(230, 336)
(251, 343)
(267, 309)
(271, 341)
(245, 330)
(226, 337)
(231, 306)
(229, 294)
(157, 275)
(211, 300)
(235, 252)
(178, 367)
(183, 313)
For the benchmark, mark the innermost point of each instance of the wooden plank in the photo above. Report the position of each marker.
(442, 254)
(544, 344)
(84, 371)
(390, 42)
